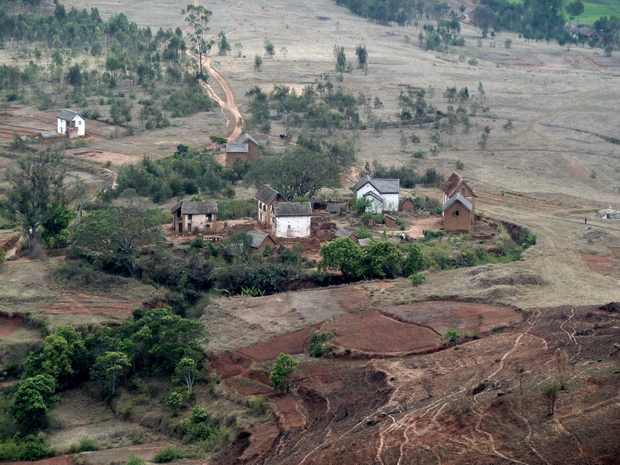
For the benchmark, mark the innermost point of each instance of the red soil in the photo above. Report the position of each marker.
(63, 460)
(601, 265)
(9, 324)
(352, 298)
(360, 332)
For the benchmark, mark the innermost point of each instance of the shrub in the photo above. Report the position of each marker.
(29, 448)
(417, 279)
(87, 444)
(134, 460)
(318, 342)
(451, 335)
(168, 454)
(197, 427)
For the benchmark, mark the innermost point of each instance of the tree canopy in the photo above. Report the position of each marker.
(33, 401)
(37, 191)
(342, 255)
(299, 172)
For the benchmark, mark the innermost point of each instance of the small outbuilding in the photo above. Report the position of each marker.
(389, 220)
(344, 232)
(47, 136)
(292, 219)
(260, 241)
(406, 204)
(192, 217)
(70, 124)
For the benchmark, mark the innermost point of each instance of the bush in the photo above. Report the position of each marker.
(29, 448)
(168, 454)
(134, 460)
(197, 427)
(318, 342)
(417, 279)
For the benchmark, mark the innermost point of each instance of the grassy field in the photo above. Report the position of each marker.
(594, 10)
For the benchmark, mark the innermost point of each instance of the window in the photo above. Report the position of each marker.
(462, 191)
(207, 226)
(456, 213)
(209, 217)
(189, 217)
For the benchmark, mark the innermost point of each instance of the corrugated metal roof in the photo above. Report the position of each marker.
(68, 115)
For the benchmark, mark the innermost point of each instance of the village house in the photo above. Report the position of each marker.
(344, 232)
(389, 220)
(382, 193)
(459, 205)
(260, 241)
(266, 199)
(47, 136)
(244, 147)
(194, 217)
(71, 124)
(458, 216)
(292, 219)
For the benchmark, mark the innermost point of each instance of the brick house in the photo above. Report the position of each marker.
(455, 184)
(194, 217)
(266, 199)
(406, 205)
(458, 215)
(245, 147)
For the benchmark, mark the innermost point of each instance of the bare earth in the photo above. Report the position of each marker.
(550, 173)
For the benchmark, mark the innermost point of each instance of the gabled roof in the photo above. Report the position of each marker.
(333, 207)
(457, 198)
(68, 115)
(292, 209)
(373, 195)
(237, 148)
(195, 208)
(363, 243)
(451, 183)
(49, 134)
(258, 238)
(383, 186)
(404, 199)
(344, 232)
(268, 194)
(390, 217)
(243, 139)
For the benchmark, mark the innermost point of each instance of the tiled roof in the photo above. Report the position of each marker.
(344, 232)
(195, 208)
(258, 238)
(457, 198)
(383, 186)
(333, 207)
(372, 194)
(451, 183)
(237, 148)
(243, 139)
(292, 209)
(49, 134)
(68, 115)
(268, 194)
(363, 243)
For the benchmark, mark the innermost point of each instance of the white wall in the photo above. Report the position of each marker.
(61, 126)
(390, 201)
(80, 124)
(292, 226)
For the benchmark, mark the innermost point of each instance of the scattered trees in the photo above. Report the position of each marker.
(258, 63)
(198, 18)
(270, 49)
(224, 46)
(362, 56)
(341, 58)
(38, 192)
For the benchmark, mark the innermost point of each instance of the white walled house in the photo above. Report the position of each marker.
(383, 193)
(292, 219)
(70, 124)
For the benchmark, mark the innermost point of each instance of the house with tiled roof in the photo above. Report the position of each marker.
(244, 147)
(455, 183)
(459, 205)
(382, 193)
(70, 123)
(292, 219)
(192, 217)
(267, 197)
(260, 241)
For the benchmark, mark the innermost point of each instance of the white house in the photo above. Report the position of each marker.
(383, 193)
(71, 124)
(292, 219)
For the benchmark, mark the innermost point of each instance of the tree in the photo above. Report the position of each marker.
(33, 401)
(283, 369)
(342, 255)
(382, 259)
(37, 191)
(563, 367)
(341, 58)
(270, 50)
(574, 9)
(109, 368)
(299, 172)
(428, 383)
(258, 63)
(186, 372)
(198, 19)
(415, 260)
(117, 235)
(362, 56)
(224, 46)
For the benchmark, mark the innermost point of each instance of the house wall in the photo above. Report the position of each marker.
(199, 223)
(80, 124)
(406, 206)
(457, 218)
(268, 242)
(376, 206)
(292, 226)
(61, 126)
(465, 192)
(265, 212)
(390, 201)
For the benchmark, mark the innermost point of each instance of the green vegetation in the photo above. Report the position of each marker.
(318, 342)
(283, 369)
(30, 447)
(169, 454)
(402, 12)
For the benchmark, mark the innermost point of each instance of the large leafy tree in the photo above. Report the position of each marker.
(33, 400)
(342, 255)
(297, 173)
(38, 191)
(110, 368)
(117, 235)
(198, 18)
(383, 260)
